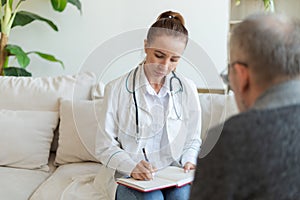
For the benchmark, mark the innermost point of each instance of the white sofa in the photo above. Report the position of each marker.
(47, 136)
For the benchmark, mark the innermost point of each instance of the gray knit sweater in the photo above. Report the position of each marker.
(258, 153)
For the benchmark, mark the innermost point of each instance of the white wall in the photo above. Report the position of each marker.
(80, 36)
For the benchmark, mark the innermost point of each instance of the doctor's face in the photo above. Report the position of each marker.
(162, 56)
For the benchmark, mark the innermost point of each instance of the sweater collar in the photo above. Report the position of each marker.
(280, 95)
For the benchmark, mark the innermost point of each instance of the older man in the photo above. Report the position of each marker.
(256, 154)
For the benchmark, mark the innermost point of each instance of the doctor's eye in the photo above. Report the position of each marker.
(175, 60)
(159, 55)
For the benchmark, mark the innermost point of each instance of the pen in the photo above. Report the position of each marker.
(145, 155)
(146, 158)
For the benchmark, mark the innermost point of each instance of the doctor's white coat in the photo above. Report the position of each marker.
(118, 146)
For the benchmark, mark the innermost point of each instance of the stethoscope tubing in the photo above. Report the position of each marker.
(135, 103)
(135, 100)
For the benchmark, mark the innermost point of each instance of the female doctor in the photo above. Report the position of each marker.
(155, 109)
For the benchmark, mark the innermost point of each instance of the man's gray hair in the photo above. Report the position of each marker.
(270, 45)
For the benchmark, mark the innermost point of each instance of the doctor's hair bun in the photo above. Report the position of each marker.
(171, 15)
(168, 23)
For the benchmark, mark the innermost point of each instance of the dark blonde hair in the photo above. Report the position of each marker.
(168, 23)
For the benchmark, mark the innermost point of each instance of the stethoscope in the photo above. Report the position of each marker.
(172, 92)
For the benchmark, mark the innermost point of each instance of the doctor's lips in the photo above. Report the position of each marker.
(160, 73)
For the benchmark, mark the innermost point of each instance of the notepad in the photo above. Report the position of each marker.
(168, 177)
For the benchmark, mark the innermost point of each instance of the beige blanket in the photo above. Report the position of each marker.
(78, 181)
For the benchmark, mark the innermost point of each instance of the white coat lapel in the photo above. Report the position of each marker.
(174, 131)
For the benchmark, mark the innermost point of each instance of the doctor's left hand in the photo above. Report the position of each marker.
(143, 171)
(188, 166)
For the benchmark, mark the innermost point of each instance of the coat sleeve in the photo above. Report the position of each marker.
(193, 139)
(108, 149)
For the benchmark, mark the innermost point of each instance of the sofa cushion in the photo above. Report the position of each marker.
(216, 108)
(42, 93)
(78, 128)
(25, 138)
(19, 184)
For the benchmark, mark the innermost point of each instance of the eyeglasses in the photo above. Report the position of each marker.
(225, 73)
(224, 76)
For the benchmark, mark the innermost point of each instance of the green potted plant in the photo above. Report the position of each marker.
(12, 15)
(268, 5)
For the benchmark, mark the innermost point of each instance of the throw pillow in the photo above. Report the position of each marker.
(25, 138)
(77, 131)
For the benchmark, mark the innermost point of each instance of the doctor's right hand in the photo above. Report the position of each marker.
(143, 171)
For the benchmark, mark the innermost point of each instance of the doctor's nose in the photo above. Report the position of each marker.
(165, 63)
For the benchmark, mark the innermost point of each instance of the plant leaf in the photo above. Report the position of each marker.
(3, 2)
(48, 57)
(237, 2)
(21, 56)
(59, 5)
(10, 3)
(23, 17)
(266, 3)
(16, 71)
(76, 3)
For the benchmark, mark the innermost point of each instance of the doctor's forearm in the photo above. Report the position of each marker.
(190, 153)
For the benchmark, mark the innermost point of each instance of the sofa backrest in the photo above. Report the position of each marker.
(216, 108)
(42, 93)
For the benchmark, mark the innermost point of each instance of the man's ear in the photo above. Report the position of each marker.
(242, 77)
